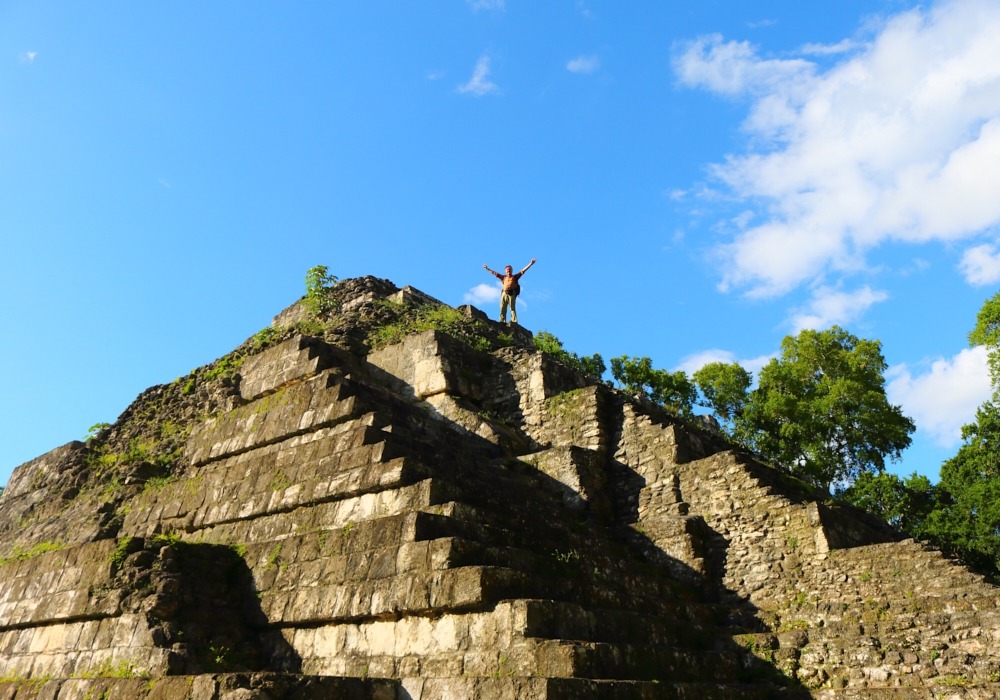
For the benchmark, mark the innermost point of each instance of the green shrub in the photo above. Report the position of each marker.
(319, 284)
(592, 366)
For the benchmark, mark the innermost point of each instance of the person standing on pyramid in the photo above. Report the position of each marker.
(508, 297)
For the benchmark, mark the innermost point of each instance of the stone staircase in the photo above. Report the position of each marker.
(436, 521)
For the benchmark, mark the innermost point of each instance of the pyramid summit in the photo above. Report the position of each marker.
(392, 498)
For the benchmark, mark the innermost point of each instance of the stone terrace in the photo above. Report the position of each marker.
(431, 520)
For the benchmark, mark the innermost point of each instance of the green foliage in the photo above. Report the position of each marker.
(430, 317)
(820, 409)
(637, 376)
(903, 503)
(726, 388)
(591, 366)
(279, 481)
(94, 430)
(987, 332)
(19, 553)
(319, 285)
(966, 517)
(120, 552)
(224, 367)
(157, 483)
(274, 558)
(166, 539)
(123, 668)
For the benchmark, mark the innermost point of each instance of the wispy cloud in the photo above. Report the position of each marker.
(584, 64)
(944, 398)
(840, 161)
(27, 57)
(435, 74)
(827, 49)
(484, 294)
(981, 265)
(762, 23)
(165, 183)
(479, 84)
(478, 5)
(831, 306)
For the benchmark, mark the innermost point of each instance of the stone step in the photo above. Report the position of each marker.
(599, 660)
(521, 688)
(319, 402)
(938, 691)
(552, 619)
(288, 362)
(541, 658)
(873, 661)
(284, 686)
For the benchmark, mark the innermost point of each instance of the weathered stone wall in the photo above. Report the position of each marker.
(478, 525)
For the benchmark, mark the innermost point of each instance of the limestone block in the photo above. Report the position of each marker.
(430, 363)
(301, 408)
(295, 359)
(578, 474)
(412, 296)
(34, 475)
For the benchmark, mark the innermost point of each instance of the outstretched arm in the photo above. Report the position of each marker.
(492, 272)
(528, 265)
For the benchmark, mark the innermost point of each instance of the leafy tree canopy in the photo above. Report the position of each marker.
(820, 409)
(903, 503)
(725, 387)
(987, 332)
(637, 376)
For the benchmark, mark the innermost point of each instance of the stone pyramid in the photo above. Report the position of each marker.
(404, 500)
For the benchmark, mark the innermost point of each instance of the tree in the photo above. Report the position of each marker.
(903, 503)
(820, 409)
(966, 521)
(726, 388)
(987, 332)
(592, 366)
(638, 377)
(319, 284)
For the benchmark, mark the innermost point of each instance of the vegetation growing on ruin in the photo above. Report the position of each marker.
(410, 320)
(591, 366)
(20, 553)
(319, 284)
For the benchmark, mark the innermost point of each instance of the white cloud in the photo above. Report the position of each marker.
(692, 363)
(484, 294)
(899, 141)
(945, 398)
(479, 84)
(27, 57)
(435, 74)
(827, 49)
(831, 306)
(762, 23)
(981, 265)
(478, 5)
(584, 64)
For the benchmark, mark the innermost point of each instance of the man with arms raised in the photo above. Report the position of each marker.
(511, 288)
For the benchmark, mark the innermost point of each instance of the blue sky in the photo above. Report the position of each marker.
(696, 180)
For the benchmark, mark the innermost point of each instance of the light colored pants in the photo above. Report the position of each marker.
(506, 299)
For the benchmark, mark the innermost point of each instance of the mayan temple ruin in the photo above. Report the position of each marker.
(401, 500)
